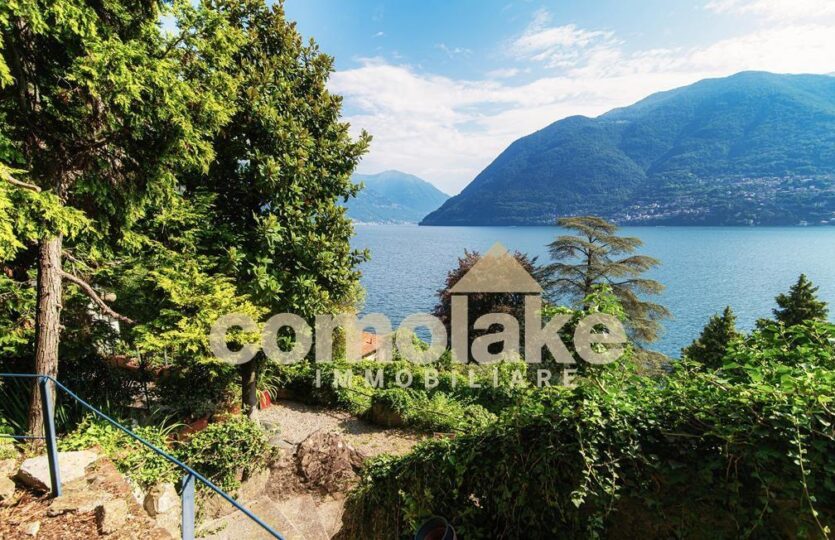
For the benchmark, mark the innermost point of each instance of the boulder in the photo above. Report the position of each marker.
(34, 472)
(162, 499)
(111, 516)
(326, 461)
(76, 501)
(163, 504)
(7, 490)
(7, 467)
(254, 487)
(30, 529)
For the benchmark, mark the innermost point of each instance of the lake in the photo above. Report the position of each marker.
(704, 269)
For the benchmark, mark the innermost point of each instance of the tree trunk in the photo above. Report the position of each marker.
(47, 323)
(249, 388)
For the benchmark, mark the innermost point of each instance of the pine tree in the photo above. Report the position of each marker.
(712, 344)
(592, 258)
(97, 108)
(800, 304)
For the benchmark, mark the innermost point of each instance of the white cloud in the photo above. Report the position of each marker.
(776, 10)
(505, 73)
(379, 34)
(447, 130)
(453, 51)
(561, 46)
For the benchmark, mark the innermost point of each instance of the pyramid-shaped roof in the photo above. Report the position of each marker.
(497, 272)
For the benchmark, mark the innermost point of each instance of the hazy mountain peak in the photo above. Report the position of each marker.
(394, 197)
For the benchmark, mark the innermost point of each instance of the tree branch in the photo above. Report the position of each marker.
(88, 290)
(8, 178)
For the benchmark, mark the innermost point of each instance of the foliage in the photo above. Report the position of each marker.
(132, 458)
(177, 395)
(710, 347)
(191, 173)
(98, 109)
(226, 450)
(222, 452)
(282, 164)
(742, 451)
(800, 304)
(493, 388)
(593, 258)
(7, 448)
(435, 412)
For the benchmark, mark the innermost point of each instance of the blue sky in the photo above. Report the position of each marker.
(444, 86)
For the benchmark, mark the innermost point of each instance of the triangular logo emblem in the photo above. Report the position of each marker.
(497, 272)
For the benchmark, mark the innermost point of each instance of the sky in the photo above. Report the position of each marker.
(444, 86)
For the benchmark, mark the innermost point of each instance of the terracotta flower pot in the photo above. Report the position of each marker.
(264, 399)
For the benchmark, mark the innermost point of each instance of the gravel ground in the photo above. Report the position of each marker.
(297, 421)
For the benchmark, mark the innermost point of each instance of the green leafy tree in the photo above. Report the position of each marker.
(98, 107)
(282, 165)
(710, 347)
(598, 256)
(800, 304)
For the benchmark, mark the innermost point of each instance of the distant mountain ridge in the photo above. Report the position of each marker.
(394, 197)
(754, 148)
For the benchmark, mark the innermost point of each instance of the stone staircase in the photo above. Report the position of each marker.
(300, 517)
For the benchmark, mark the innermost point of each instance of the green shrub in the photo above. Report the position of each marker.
(132, 458)
(7, 447)
(226, 451)
(743, 452)
(433, 412)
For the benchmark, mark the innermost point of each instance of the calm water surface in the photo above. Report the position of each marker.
(704, 268)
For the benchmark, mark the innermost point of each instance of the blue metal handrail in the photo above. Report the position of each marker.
(187, 493)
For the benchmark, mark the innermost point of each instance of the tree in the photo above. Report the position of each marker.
(97, 109)
(592, 258)
(282, 164)
(480, 303)
(710, 347)
(800, 304)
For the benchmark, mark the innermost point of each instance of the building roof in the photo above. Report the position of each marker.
(370, 344)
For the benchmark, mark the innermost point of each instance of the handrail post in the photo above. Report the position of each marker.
(49, 435)
(187, 496)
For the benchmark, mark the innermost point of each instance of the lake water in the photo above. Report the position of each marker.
(703, 268)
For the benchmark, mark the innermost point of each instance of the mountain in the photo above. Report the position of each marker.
(394, 197)
(754, 148)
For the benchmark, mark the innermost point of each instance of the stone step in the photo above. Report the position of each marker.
(237, 526)
(303, 512)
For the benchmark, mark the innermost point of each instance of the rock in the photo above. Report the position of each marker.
(170, 523)
(7, 490)
(111, 516)
(255, 486)
(30, 529)
(277, 441)
(162, 499)
(7, 467)
(270, 426)
(328, 462)
(382, 415)
(80, 502)
(34, 472)
(163, 504)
